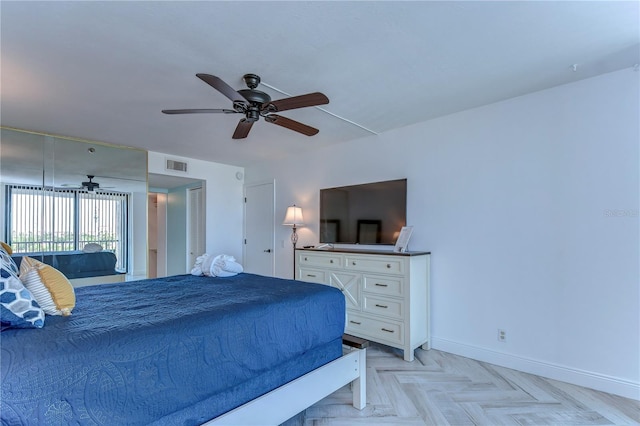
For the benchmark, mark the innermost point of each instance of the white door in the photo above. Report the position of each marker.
(195, 225)
(259, 229)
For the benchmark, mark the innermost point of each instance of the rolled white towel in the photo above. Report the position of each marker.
(222, 260)
(207, 264)
(222, 274)
(197, 269)
(225, 266)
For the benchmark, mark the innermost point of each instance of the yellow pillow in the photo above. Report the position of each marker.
(6, 248)
(51, 289)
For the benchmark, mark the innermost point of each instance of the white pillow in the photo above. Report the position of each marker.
(92, 248)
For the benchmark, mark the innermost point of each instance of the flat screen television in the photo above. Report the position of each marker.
(370, 213)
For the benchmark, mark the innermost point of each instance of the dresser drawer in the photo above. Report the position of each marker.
(387, 307)
(324, 260)
(388, 265)
(313, 276)
(388, 286)
(375, 329)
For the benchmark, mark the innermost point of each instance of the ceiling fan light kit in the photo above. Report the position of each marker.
(254, 104)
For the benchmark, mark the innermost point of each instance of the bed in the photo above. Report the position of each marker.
(181, 350)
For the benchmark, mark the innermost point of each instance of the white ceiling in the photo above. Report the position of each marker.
(104, 70)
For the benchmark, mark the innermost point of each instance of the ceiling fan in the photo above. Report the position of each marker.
(255, 104)
(90, 185)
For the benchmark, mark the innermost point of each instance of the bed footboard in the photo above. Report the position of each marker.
(288, 400)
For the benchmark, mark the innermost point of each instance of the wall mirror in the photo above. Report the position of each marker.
(77, 205)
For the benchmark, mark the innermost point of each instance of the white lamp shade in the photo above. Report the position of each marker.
(293, 216)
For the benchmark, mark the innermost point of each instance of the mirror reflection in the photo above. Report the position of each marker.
(79, 206)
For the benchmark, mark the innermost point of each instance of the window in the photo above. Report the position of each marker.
(58, 220)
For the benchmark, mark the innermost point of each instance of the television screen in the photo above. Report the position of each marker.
(371, 213)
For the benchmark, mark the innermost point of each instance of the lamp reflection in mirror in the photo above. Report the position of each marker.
(293, 218)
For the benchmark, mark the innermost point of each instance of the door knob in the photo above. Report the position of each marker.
(267, 251)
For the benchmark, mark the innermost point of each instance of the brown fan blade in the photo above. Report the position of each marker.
(302, 101)
(222, 87)
(197, 111)
(291, 124)
(242, 130)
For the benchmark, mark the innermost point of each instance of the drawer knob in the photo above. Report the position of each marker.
(388, 266)
(388, 331)
(353, 263)
(305, 259)
(382, 306)
(331, 261)
(381, 285)
(311, 275)
(355, 322)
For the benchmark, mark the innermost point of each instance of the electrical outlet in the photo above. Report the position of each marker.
(502, 335)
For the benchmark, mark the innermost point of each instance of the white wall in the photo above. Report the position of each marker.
(530, 208)
(223, 200)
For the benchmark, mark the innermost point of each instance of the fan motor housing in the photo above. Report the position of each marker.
(255, 96)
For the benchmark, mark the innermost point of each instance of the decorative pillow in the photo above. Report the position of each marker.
(51, 289)
(18, 309)
(92, 248)
(40, 292)
(7, 262)
(6, 248)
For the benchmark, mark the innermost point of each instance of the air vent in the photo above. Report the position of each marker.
(178, 166)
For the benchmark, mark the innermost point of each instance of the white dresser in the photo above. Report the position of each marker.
(387, 294)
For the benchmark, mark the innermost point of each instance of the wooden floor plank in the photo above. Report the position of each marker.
(445, 389)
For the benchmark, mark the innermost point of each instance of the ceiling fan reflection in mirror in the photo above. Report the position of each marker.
(254, 104)
(89, 185)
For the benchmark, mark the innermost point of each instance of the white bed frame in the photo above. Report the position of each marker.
(290, 399)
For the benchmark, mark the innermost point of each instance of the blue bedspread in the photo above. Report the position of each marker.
(175, 350)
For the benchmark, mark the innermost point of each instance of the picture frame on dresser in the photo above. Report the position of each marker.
(403, 239)
(369, 231)
(329, 230)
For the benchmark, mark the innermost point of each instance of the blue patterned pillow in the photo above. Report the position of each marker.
(18, 309)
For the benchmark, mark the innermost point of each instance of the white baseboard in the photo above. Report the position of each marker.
(601, 382)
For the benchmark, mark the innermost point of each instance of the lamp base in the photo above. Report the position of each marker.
(294, 259)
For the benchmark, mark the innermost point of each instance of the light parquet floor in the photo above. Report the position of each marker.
(439, 388)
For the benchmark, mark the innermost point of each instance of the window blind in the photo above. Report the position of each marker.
(60, 219)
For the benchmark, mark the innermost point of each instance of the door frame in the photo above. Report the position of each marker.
(203, 212)
(273, 225)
